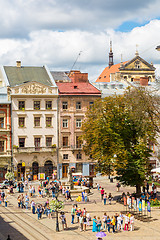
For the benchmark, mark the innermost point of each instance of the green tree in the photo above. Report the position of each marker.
(117, 131)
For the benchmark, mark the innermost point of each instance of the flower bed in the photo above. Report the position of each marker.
(155, 202)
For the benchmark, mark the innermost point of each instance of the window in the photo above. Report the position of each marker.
(1, 146)
(2, 122)
(78, 123)
(37, 143)
(21, 142)
(21, 121)
(65, 156)
(21, 105)
(48, 121)
(65, 123)
(36, 105)
(79, 156)
(78, 142)
(48, 104)
(37, 121)
(78, 105)
(65, 141)
(64, 105)
(48, 141)
(91, 103)
(79, 167)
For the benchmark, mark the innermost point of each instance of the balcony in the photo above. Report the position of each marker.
(34, 149)
(76, 147)
(5, 154)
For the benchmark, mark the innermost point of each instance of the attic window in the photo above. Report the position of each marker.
(75, 87)
(104, 76)
(137, 64)
(99, 77)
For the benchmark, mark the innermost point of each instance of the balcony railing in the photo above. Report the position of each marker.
(5, 154)
(76, 147)
(34, 149)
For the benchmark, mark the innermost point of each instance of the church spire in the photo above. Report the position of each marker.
(110, 55)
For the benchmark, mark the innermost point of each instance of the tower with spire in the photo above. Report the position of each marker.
(110, 55)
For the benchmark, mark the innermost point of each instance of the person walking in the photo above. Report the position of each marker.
(38, 212)
(64, 222)
(102, 193)
(118, 185)
(113, 223)
(126, 222)
(6, 200)
(33, 206)
(94, 227)
(104, 219)
(108, 224)
(110, 198)
(84, 222)
(81, 222)
(99, 224)
(26, 201)
(119, 223)
(105, 198)
(132, 222)
(73, 214)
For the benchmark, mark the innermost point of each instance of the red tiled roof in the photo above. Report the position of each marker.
(105, 75)
(70, 88)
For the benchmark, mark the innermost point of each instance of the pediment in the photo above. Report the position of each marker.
(32, 88)
(137, 63)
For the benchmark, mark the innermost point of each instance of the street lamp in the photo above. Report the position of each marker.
(57, 223)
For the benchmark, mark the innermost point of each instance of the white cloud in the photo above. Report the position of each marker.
(60, 49)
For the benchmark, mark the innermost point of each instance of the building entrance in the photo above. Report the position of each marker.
(48, 168)
(20, 171)
(35, 170)
(64, 170)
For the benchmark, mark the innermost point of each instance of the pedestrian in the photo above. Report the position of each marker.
(126, 222)
(64, 222)
(108, 223)
(119, 223)
(105, 198)
(84, 222)
(132, 222)
(38, 212)
(85, 196)
(6, 200)
(49, 212)
(110, 198)
(113, 223)
(26, 201)
(102, 193)
(88, 219)
(19, 201)
(99, 224)
(81, 222)
(94, 227)
(155, 192)
(116, 216)
(30, 191)
(78, 214)
(98, 186)
(73, 214)
(33, 206)
(2, 195)
(84, 211)
(104, 219)
(118, 185)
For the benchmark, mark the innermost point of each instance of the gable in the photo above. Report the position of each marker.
(32, 88)
(138, 63)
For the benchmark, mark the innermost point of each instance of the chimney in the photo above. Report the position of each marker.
(18, 64)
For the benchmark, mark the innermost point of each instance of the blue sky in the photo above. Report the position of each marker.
(53, 32)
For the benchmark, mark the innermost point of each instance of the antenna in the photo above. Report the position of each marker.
(75, 62)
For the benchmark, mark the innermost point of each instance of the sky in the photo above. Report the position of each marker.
(57, 32)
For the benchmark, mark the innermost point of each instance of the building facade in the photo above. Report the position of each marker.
(76, 95)
(5, 128)
(34, 120)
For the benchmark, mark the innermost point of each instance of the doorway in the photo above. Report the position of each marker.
(48, 168)
(21, 171)
(35, 170)
(64, 170)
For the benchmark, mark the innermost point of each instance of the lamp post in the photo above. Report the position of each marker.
(57, 223)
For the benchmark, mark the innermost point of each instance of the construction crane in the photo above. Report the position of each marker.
(74, 63)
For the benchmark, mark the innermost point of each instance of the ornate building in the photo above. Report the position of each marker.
(34, 95)
(5, 128)
(76, 95)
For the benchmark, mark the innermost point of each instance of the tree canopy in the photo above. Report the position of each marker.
(118, 131)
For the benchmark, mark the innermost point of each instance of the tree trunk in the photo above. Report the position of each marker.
(138, 188)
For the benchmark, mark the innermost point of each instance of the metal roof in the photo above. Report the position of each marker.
(21, 75)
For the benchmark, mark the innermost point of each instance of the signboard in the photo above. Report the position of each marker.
(134, 204)
(140, 206)
(143, 205)
(41, 176)
(148, 206)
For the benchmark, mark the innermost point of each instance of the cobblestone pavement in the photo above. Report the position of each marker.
(46, 227)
